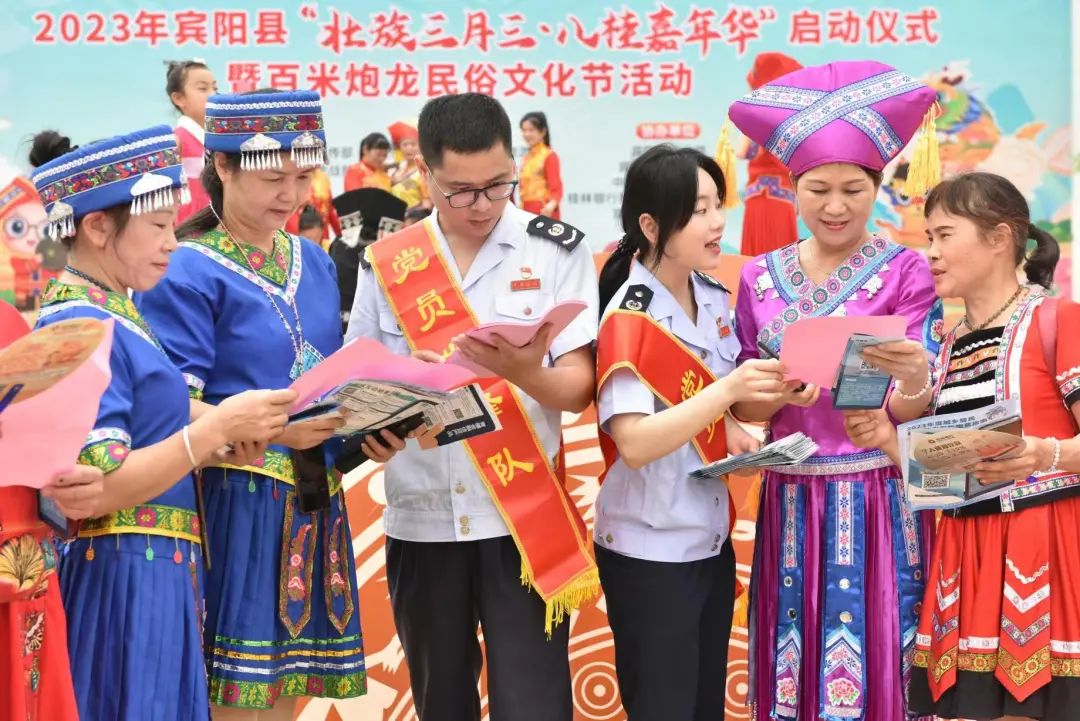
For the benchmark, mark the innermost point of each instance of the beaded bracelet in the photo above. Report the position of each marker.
(925, 389)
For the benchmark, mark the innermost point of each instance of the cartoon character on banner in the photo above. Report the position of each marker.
(28, 257)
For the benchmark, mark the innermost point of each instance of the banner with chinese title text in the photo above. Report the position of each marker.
(613, 79)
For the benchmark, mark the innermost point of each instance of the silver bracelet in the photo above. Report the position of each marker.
(1057, 457)
(187, 446)
(925, 389)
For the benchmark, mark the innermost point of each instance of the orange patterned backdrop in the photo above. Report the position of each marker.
(596, 696)
(592, 657)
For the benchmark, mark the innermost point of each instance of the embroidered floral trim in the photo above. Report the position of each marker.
(987, 368)
(25, 564)
(841, 692)
(850, 103)
(336, 582)
(109, 173)
(108, 455)
(1069, 387)
(279, 275)
(33, 630)
(278, 465)
(258, 694)
(805, 299)
(265, 124)
(974, 358)
(836, 465)
(151, 519)
(61, 296)
(297, 569)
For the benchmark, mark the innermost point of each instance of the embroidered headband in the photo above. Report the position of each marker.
(860, 112)
(142, 168)
(260, 126)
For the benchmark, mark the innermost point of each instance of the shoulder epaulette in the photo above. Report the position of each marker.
(637, 298)
(710, 281)
(566, 235)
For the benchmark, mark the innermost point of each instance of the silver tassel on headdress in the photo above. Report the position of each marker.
(307, 151)
(154, 192)
(260, 152)
(61, 221)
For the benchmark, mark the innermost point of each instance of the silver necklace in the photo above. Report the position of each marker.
(297, 338)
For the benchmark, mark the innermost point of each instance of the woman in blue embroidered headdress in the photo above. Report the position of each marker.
(132, 579)
(838, 566)
(245, 304)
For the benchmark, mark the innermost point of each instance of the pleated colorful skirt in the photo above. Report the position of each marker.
(837, 576)
(134, 615)
(283, 618)
(1000, 627)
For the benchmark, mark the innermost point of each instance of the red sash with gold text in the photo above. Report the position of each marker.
(431, 309)
(673, 372)
(631, 339)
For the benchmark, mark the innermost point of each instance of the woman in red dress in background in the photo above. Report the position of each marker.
(541, 177)
(769, 219)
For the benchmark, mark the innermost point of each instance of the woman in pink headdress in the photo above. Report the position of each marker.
(838, 565)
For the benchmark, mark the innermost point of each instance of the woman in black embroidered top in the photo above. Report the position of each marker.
(999, 632)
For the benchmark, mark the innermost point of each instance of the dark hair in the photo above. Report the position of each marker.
(874, 175)
(540, 121)
(206, 220)
(176, 72)
(49, 145)
(374, 141)
(661, 182)
(988, 200)
(417, 213)
(465, 123)
(309, 218)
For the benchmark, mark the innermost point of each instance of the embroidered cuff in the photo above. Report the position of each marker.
(106, 448)
(1069, 385)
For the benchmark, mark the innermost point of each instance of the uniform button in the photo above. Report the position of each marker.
(608, 538)
(464, 530)
(845, 617)
(703, 354)
(718, 538)
(788, 581)
(714, 547)
(844, 584)
(459, 488)
(464, 520)
(918, 607)
(717, 500)
(918, 574)
(791, 614)
(528, 311)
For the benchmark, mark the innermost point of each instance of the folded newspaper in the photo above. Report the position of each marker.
(939, 451)
(374, 405)
(788, 451)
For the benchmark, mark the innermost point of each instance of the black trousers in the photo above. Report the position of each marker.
(440, 592)
(671, 623)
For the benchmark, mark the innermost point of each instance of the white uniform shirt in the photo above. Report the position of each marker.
(437, 495)
(660, 513)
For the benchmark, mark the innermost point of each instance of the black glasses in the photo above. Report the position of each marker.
(465, 198)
